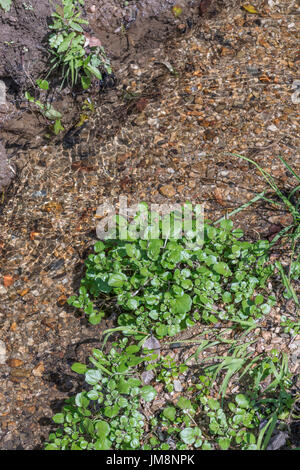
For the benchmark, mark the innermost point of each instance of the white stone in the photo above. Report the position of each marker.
(296, 94)
(2, 93)
(2, 352)
(177, 386)
(3, 291)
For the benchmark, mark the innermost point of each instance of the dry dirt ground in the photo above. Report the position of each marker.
(163, 134)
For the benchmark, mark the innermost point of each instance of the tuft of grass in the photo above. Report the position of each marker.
(292, 231)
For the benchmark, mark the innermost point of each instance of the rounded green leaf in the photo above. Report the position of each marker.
(116, 280)
(184, 403)
(224, 442)
(259, 299)
(59, 418)
(111, 411)
(227, 297)
(188, 435)
(222, 268)
(43, 84)
(96, 317)
(226, 224)
(93, 395)
(93, 376)
(213, 404)
(81, 400)
(102, 428)
(102, 444)
(183, 304)
(265, 308)
(79, 368)
(170, 413)
(242, 401)
(148, 393)
(132, 304)
(123, 386)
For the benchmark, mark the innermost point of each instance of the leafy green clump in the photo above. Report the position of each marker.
(111, 411)
(70, 49)
(108, 414)
(165, 286)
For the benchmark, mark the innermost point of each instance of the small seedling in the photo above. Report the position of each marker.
(5, 5)
(72, 54)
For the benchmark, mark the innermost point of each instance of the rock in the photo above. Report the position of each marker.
(167, 190)
(177, 386)
(295, 350)
(2, 93)
(181, 28)
(2, 352)
(6, 172)
(152, 344)
(3, 291)
(38, 370)
(267, 335)
(147, 376)
(296, 94)
(278, 440)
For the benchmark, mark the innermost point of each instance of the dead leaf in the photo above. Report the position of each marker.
(278, 440)
(141, 104)
(264, 43)
(33, 235)
(122, 158)
(23, 292)
(81, 166)
(52, 206)
(209, 135)
(273, 230)
(177, 10)
(15, 362)
(265, 79)
(8, 281)
(219, 197)
(13, 326)
(250, 9)
(62, 300)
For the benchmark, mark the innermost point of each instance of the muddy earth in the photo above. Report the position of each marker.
(6, 171)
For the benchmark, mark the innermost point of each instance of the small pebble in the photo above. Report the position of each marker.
(3, 291)
(167, 190)
(2, 352)
(177, 386)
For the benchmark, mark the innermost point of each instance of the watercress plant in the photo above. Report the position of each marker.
(164, 286)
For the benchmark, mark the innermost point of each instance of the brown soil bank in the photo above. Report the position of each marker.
(124, 28)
